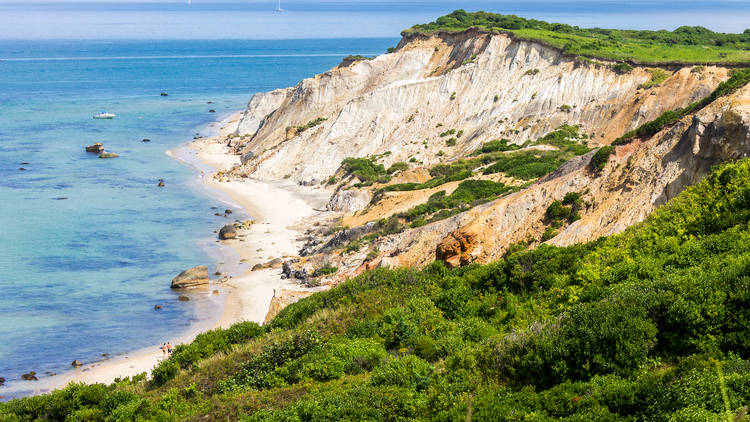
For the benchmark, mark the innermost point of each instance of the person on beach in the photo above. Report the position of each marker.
(169, 348)
(163, 349)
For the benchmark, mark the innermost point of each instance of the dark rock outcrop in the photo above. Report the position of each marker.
(228, 232)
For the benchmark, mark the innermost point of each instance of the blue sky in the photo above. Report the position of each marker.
(255, 19)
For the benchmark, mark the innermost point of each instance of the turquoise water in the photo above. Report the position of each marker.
(80, 276)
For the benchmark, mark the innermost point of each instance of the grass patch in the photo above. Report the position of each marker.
(658, 76)
(686, 44)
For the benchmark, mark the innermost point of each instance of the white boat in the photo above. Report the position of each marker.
(104, 115)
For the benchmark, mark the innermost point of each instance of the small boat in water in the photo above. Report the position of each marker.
(104, 115)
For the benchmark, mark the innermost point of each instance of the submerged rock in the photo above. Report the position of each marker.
(31, 376)
(108, 155)
(193, 277)
(183, 298)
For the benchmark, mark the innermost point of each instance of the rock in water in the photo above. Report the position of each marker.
(76, 363)
(212, 111)
(183, 298)
(194, 277)
(146, 140)
(161, 183)
(31, 376)
(164, 94)
(108, 155)
(2, 380)
(97, 147)
(228, 232)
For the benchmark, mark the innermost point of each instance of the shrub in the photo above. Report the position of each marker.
(565, 108)
(408, 372)
(600, 158)
(398, 166)
(622, 68)
(531, 72)
(365, 169)
(498, 145)
(310, 124)
(451, 142)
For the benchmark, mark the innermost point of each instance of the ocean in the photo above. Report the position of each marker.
(88, 246)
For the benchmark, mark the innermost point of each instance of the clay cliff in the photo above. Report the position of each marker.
(481, 87)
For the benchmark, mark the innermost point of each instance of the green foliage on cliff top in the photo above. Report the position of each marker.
(651, 324)
(686, 44)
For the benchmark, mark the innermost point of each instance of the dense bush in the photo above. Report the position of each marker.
(600, 158)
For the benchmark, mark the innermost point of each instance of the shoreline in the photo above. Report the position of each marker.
(277, 210)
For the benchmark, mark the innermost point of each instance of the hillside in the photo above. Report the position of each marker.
(527, 221)
(647, 325)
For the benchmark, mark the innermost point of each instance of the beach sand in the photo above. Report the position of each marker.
(279, 210)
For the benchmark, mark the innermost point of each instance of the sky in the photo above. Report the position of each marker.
(256, 19)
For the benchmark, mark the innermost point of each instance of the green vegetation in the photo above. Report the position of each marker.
(440, 206)
(356, 58)
(326, 270)
(451, 142)
(737, 80)
(686, 44)
(658, 76)
(559, 212)
(600, 158)
(651, 325)
(311, 124)
(565, 108)
(447, 132)
(497, 145)
(531, 164)
(368, 171)
(531, 72)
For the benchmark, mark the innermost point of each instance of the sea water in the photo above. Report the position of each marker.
(89, 246)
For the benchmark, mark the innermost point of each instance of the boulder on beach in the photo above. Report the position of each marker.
(108, 155)
(31, 376)
(97, 147)
(228, 232)
(194, 277)
(76, 363)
